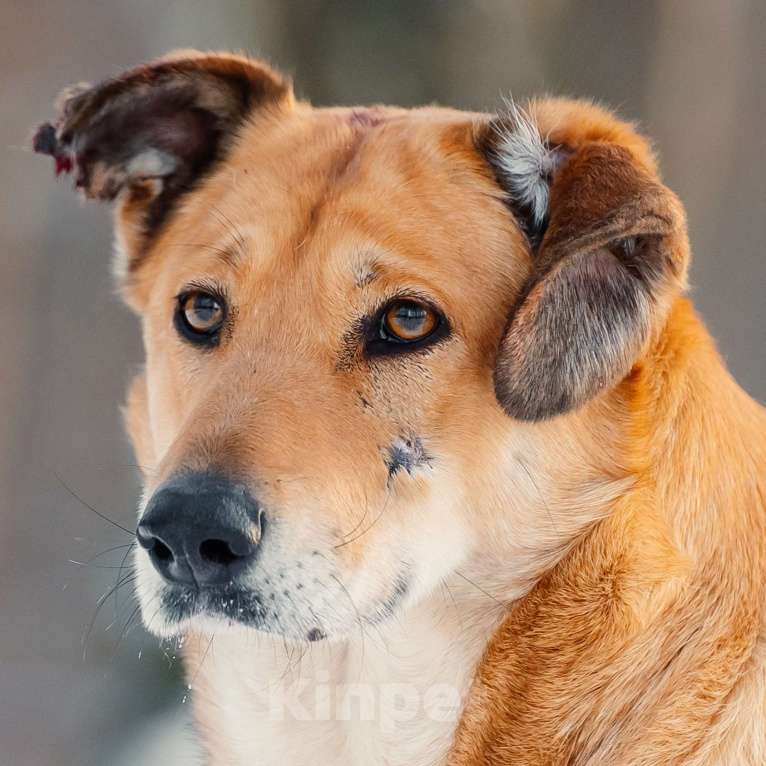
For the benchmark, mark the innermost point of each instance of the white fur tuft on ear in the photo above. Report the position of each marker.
(524, 161)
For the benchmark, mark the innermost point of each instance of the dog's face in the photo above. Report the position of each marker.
(335, 404)
(319, 332)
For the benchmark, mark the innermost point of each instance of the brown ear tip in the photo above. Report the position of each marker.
(44, 140)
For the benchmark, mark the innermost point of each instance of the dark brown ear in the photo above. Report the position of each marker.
(149, 134)
(609, 248)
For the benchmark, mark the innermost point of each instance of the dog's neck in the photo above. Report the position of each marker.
(703, 441)
(645, 644)
(393, 694)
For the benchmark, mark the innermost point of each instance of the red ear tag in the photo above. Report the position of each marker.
(63, 164)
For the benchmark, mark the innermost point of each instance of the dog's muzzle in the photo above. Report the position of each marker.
(201, 530)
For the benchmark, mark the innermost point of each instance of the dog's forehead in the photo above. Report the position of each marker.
(343, 196)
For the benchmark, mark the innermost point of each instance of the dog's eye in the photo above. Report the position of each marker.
(199, 316)
(408, 322)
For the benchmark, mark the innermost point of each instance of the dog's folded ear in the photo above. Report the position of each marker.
(150, 133)
(609, 247)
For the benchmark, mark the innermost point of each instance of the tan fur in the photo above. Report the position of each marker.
(643, 646)
(625, 540)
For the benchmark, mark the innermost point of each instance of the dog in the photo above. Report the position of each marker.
(440, 464)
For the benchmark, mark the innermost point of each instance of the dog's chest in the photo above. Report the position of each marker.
(392, 696)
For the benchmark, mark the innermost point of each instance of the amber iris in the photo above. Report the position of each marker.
(408, 321)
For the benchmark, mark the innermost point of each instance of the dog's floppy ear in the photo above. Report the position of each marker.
(608, 242)
(148, 135)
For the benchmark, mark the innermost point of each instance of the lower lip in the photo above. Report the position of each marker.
(236, 605)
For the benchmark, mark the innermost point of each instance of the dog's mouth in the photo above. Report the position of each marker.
(331, 613)
(232, 605)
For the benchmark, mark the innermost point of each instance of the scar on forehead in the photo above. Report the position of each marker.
(366, 118)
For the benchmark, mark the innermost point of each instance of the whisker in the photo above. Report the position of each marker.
(125, 629)
(90, 507)
(304, 645)
(109, 550)
(154, 614)
(288, 651)
(360, 522)
(93, 566)
(365, 531)
(190, 685)
(479, 588)
(127, 579)
(358, 620)
(539, 492)
(119, 574)
(451, 597)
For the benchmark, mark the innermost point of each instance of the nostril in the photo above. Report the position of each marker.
(217, 552)
(154, 546)
(161, 552)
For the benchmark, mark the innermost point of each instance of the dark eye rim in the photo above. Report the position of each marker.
(206, 338)
(379, 342)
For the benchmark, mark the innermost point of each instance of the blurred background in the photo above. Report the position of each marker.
(692, 73)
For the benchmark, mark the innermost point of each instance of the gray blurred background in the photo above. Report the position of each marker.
(691, 72)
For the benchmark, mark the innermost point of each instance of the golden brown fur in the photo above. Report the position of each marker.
(645, 644)
(625, 538)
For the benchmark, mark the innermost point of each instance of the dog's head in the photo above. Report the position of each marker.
(367, 330)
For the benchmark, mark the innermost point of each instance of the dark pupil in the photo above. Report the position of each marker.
(411, 318)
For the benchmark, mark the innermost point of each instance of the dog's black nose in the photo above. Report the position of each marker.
(201, 529)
